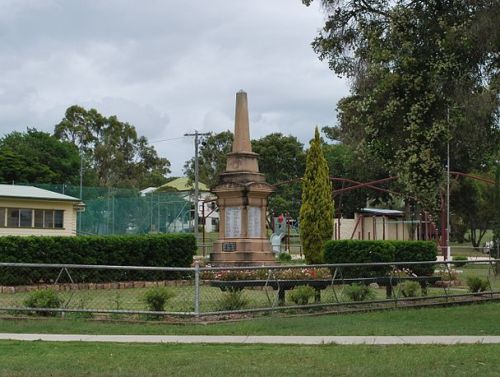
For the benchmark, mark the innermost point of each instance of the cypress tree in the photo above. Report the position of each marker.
(316, 211)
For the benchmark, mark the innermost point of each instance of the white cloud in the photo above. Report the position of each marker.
(168, 67)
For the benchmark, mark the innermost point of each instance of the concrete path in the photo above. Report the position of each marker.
(209, 339)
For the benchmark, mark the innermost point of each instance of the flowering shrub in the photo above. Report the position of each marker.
(446, 274)
(262, 274)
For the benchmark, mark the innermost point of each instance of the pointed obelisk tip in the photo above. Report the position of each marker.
(241, 141)
(241, 91)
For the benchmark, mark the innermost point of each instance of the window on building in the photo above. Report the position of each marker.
(39, 218)
(58, 219)
(13, 217)
(48, 221)
(29, 218)
(26, 217)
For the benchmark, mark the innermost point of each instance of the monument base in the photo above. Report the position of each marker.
(242, 252)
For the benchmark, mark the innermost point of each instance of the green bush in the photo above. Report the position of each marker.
(359, 292)
(476, 284)
(460, 260)
(232, 300)
(302, 295)
(284, 257)
(156, 298)
(411, 289)
(44, 298)
(164, 250)
(356, 251)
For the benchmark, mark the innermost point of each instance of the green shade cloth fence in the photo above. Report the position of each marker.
(126, 211)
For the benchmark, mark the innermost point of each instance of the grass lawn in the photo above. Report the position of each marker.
(477, 319)
(39, 359)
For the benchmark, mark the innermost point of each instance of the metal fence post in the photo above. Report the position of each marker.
(196, 288)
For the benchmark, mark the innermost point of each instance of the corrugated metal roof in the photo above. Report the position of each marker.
(31, 192)
(381, 211)
(182, 184)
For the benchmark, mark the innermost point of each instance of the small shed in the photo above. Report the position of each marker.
(381, 224)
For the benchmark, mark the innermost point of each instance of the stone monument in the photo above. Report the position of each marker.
(242, 194)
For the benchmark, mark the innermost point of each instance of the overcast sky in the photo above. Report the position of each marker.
(167, 67)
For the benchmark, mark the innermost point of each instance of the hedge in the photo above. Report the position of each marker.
(355, 251)
(159, 250)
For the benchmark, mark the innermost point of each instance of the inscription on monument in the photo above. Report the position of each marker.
(233, 222)
(229, 246)
(254, 222)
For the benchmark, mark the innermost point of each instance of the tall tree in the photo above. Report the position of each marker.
(423, 73)
(316, 211)
(281, 159)
(114, 150)
(37, 157)
(496, 221)
(211, 159)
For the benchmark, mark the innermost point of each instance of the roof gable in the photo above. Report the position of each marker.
(31, 192)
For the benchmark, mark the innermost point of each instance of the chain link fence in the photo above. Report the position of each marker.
(155, 292)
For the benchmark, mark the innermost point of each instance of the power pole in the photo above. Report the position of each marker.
(196, 135)
(448, 249)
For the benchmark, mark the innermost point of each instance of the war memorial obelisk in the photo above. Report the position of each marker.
(242, 194)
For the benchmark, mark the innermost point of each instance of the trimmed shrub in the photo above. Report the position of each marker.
(284, 257)
(159, 250)
(302, 295)
(476, 284)
(415, 251)
(44, 298)
(357, 251)
(411, 289)
(156, 298)
(232, 300)
(460, 260)
(352, 251)
(359, 292)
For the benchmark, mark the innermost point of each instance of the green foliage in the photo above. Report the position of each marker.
(44, 298)
(112, 149)
(359, 292)
(403, 92)
(282, 158)
(301, 295)
(411, 288)
(156, 298)
(476, 213)
(37, 157)
(172, 250)
(232, 300)
(356, 251)
(284, 257)
(477, 284)
(459, 260)
(496, 222)
(212, 158)
(316, 211)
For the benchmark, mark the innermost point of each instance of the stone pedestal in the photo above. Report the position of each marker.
(242, 199)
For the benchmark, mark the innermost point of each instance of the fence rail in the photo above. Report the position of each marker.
(134, 291)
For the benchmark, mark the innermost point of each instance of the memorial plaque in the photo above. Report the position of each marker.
(229, 246)
(233, 222)
(254, 222)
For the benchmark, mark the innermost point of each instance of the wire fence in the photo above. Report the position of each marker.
(157, 292)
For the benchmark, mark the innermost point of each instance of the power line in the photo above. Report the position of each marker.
(173, 138)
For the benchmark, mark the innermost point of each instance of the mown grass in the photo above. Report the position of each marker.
(477, 319)
(40, 359)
